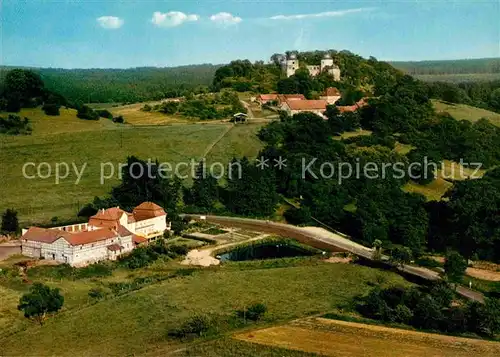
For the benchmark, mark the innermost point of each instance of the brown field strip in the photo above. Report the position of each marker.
(340, 338)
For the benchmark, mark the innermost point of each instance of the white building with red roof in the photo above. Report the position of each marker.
(293, 107)
(108, 234)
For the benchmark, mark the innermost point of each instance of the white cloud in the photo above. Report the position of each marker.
(225, 18)
(110, 22)
(172, 18)
(319, 14)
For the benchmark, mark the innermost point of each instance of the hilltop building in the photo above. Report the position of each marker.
(108, 234)
(291, 65)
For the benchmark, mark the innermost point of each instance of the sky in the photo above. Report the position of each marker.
(136, 33)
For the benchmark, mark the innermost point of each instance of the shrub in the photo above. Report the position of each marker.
(104, 113)
(97, 270)
(85, 112)
(97, 293)
(51, 109)
(178, 250)
(197, 325)
(14, 125)
(253, 312)
(298, 215)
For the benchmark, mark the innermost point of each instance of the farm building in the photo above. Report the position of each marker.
(282, 98)
(107, 235)
(266, 98)
(300, 106)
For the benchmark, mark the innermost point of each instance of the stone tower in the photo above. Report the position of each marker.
(328, 65)
(291, 65)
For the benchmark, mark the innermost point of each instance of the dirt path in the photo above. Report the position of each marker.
(203, 257)
(211, 146)
(249, 110)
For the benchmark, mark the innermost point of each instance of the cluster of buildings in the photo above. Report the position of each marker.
(107, 235)
(297, 103)
(291, 64)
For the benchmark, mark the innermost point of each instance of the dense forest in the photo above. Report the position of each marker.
(123, 85)
(462, 66)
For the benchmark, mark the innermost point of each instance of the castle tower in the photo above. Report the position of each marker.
(292, 64)
(327, 61)
(328, 65)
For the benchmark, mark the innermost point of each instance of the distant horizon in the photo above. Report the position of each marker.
(242, 59)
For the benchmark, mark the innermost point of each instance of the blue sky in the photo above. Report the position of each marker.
(133, 33)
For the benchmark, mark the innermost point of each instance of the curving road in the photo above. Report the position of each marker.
(325, 240)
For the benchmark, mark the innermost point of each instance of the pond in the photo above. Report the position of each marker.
(267, 250)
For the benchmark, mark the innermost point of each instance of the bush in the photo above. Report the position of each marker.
(97, 293)
(197, 325)
(179, 250)
(119, 119)
(85, 112)
(253, 312)
(13, 125)
(103, 113)
(298, 216)
(51, 109)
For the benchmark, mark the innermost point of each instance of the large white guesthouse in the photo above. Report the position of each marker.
(107, 235)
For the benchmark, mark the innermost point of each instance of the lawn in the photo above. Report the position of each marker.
(466, 112)
(454, 171)
(433, 191)
(66, 122)
(133, 115)
(41, 199)
(138, 322)
(240, 141)
(350, 134)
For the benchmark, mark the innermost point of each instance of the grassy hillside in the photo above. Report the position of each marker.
(466, 112)
(72, 140)
(138, 322)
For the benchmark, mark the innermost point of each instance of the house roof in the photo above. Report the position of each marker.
(110, 214)
(123, 232)
(147, 210)
(130, 217)
(138, 239)
(268, 96)
(352, 108)
(332, 92)
(285, 97)
(37, 234)
(44, 235)
(307, 104)
(87, 237)
(115, 247)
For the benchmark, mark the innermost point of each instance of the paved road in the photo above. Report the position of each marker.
(323, 239)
